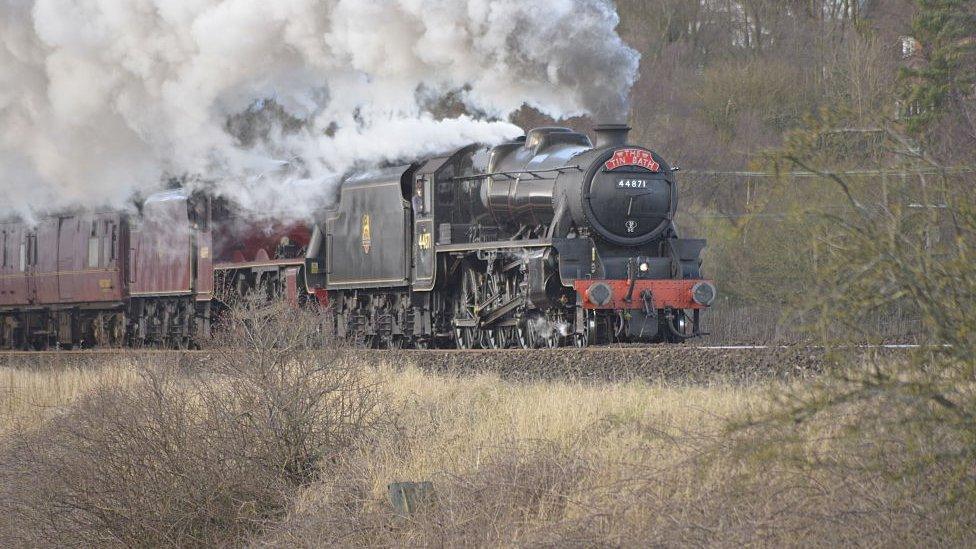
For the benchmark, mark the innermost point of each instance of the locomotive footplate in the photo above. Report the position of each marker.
(644, 294)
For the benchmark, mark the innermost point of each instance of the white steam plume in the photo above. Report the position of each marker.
(103, 99)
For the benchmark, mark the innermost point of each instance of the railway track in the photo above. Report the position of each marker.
(434, 352)
(669, 363)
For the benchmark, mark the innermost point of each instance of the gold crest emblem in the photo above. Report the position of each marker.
(367, 234)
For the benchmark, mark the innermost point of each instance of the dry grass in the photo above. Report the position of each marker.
(29, 396)
(575, 464)
(459, 419)
(463, 420)
(634, 464)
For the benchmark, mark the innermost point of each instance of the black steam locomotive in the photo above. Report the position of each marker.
(546, 241)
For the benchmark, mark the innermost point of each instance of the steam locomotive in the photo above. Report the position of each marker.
(546, 241)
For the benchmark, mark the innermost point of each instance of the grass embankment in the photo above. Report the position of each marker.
(530, 463)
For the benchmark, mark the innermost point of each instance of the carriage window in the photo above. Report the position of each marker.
(106, 244)
(113, 251)
(28, 251)
(200, 214)
(93, 247)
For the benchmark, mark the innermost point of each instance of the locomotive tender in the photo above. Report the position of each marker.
(542, 242)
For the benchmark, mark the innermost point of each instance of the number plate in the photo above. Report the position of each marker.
(632, 184)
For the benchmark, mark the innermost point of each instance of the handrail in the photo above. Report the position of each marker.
(515, 175)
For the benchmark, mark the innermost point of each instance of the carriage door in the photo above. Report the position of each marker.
(424, 257)
(28, 263)
(69, 231)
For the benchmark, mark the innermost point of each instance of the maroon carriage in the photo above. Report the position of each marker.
(113, 279)
(62, 280)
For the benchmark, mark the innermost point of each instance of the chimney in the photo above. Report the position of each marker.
(611, 135)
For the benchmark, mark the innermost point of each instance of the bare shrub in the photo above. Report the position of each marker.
(139, 467)
(303, 397)
(193, 458)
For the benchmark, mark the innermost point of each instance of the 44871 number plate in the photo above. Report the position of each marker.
(632, 184)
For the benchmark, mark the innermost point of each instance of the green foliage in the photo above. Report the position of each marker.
(902, 240)
(762, 257)
(906, 232)
(946, 30)
(772, 251)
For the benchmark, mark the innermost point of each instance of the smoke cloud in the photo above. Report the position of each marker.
(271, 102)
